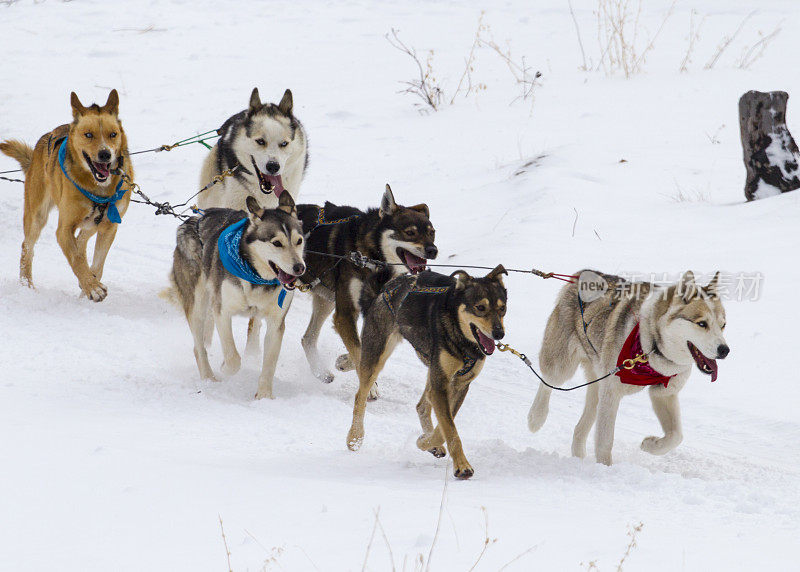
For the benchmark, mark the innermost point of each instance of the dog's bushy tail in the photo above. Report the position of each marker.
(18, 150)
(187, 266)
(559, 356)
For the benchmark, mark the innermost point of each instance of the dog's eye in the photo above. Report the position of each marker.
(112, 134)
(411, 231)
(88, 134)
(722, 327)
(299, 241)
(283, 144)
(261, 141)
(703, 324)
(480, 308)
(277, 243)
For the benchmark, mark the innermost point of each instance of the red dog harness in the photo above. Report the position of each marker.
(633, 366)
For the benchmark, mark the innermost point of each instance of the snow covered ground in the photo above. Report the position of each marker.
(116, 457)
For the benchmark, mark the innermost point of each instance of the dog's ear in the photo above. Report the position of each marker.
(112, 103)
(286, 204)
(712, 288)
(255, 101)
(423, 208)
(388, 206)
(286, 103)
(686, 288)
(461, 279)
(497, 274)
(255, 211)
(77, 107)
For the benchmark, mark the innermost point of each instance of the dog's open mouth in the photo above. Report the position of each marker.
(269, 183)
(707, 366)
(101, 171)
(414, 263)
(287, 280)
(484, 342)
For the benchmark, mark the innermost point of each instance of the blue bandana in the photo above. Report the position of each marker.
(112, 213)
(228, 246)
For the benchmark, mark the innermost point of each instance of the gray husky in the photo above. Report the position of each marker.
(267, 146)
(230, 262)
(662, 332)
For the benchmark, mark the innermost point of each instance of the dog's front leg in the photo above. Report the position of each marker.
(322, 308)
(91, 286)
(106, 232)
(379, 343)
(273, 338)
(668, 412)
(231, 359)
(429, 441)
(441, 406)
(345, 320)
(253, 332)
(606, 420)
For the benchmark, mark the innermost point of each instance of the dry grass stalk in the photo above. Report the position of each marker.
(726, 41)
(427, 86)
(225, 542)
(694, 35)
(754, 52)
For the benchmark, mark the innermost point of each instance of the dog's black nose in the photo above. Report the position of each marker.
(298, 269)
(723, 351)
(498, 333)
(431, 252)
(104, 155)
(273, 167)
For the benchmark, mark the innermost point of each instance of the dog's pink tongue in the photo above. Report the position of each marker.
(415, 263)
(101, 168)
(714, 370)
(277, 184)
(486, 342)
(286, 278)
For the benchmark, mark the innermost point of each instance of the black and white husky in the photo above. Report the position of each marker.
(267, 147)
(230, 262)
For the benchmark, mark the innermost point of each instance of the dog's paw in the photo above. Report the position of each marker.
(438, 452)
(344, 363)
(209, 376)
(660, 445)
(463, 470)
(604, 458)
(232, 364)
(579, 450)
(373, 393)
(95, 290)
(355, 437)
(324, 376)
(264, 394)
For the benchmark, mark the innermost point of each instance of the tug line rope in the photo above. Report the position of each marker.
(200, 138)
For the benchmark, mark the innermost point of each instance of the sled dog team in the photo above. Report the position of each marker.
(252, 245)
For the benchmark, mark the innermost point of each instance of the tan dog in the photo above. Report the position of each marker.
(94, 145)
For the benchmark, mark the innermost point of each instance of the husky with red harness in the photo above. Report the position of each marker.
(649, 336)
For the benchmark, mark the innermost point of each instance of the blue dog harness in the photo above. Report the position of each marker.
(228, 246)
(112, 213)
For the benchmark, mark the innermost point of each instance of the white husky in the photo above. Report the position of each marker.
(267, 147)
(678, 326)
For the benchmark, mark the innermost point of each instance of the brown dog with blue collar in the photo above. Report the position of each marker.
(72, 158)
